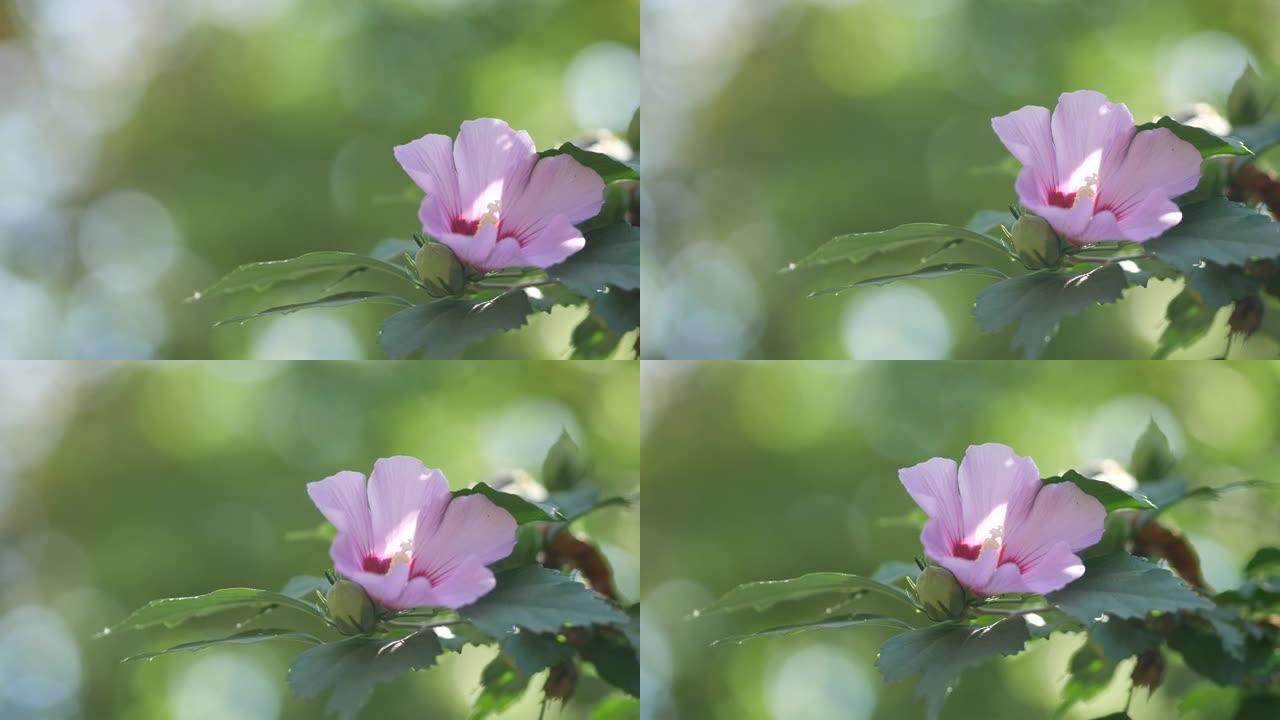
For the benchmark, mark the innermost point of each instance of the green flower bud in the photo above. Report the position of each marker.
(1036, 243)
(439, 268)
(941, 595)
(350, 608)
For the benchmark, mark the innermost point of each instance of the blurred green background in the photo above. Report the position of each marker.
(775, 125)
(120, 484)
(770, 470)
(149, 146)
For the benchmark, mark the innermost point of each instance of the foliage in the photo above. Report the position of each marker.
(550, 610)
(1225, 250)
(1126, 604)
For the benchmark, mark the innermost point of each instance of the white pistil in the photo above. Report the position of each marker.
(490, 216)
(404, 555)
(995, 538)
(1088, 189)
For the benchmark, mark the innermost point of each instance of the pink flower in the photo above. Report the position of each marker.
(1091, 175)
(407, 541)
(492, 201)
(996, 527)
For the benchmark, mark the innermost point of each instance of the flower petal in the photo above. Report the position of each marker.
(558, 186)
(464, 584)
(1089, 134)
(997, 487)
(1052, 569)
(429, 162)
(342, 500)
(1026, 133)
(557, 240)
(1157, 159)
(932, 484)
(1150, 218)
(404, 495)
(474, 250)
(492, 160)
(386, 589)
(1062, 513)
(974, 574)
(473, 527)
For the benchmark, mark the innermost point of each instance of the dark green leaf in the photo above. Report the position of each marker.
(941, 652)
(611, 257)
(531, 653)
(1219, 286)
(1126, 587)
(607, 168)
(302, 586)
(502, 685)
(928, 273)
(593, 340)
(829, 623)
(1189, 320)
(616, 662)
(1206, 142)
(1037, 302)
(857, 247)
(172, 612)
(248, 637)
(441, 330)
(1202, 492)
(988, 222)
(260, 276)
(539, 600)
(1119, 639)
(583, 501)
(338, 300)
(1264, 563)
(620, 309)
(352, 668)
(1250, 99)
(522, 510)
(762, 595)
(1152, 459)
(1089, 673)
(1219, 231)
(563, 468)
(1260, 138)
(1111, 497)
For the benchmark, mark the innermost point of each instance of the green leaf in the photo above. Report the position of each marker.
(988, 222)
(1111, 497)
(441, 330)
(352, 668)
(172, 612)
(893, 571)
(941, 652)
(1250, 98)
(1264, 563)
(616, 662)
(1037, 302)
(1206, 142)
(857, 247)
(338, 300)
(539, 600)
(302, 586)
(1260, 138)
(324, 532)
(617, 707)
(501, 686)
(1218, 231)
(1152, 459)
(611, 257)
(524, 511)
(928, 273)
(563, 468)
(531, 653)
(1219, 286)
(1119, 639)
(765, 594)
(1089, 673)
(1126, 587)
(575, 504)
(620, 309)
(1189, 320)
(607, 168)
(853, 620)
(1202, 492)
(593, 340)
(260, 276)
(248, 637)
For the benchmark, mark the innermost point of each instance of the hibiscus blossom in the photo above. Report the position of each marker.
(494, 202)
(407, 541)
(996, 527)
(1090, 173)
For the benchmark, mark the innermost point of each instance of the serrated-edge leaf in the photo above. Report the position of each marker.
(247, 637)
(767, 593)
(1266, 557)
(856, 247)
(1111, 497)
(172, 612)
(337, 300)
(539, 600)
(929, 273)
(830, 623)
(611, 257)
(352, 668)
(1206, 492)
(1039, 301)
(1188, 320)
(443, 329)
(1126, 587)
(1218, 231)
(609, 169)
(524, 511)
(262, 275)
(1207, 143)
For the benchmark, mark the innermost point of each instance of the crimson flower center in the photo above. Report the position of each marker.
(1057, 198)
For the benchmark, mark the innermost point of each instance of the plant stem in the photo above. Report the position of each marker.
(522, 286)
(1014, 613)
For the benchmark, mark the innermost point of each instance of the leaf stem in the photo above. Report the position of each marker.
(1015, 613)
(521, 286)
